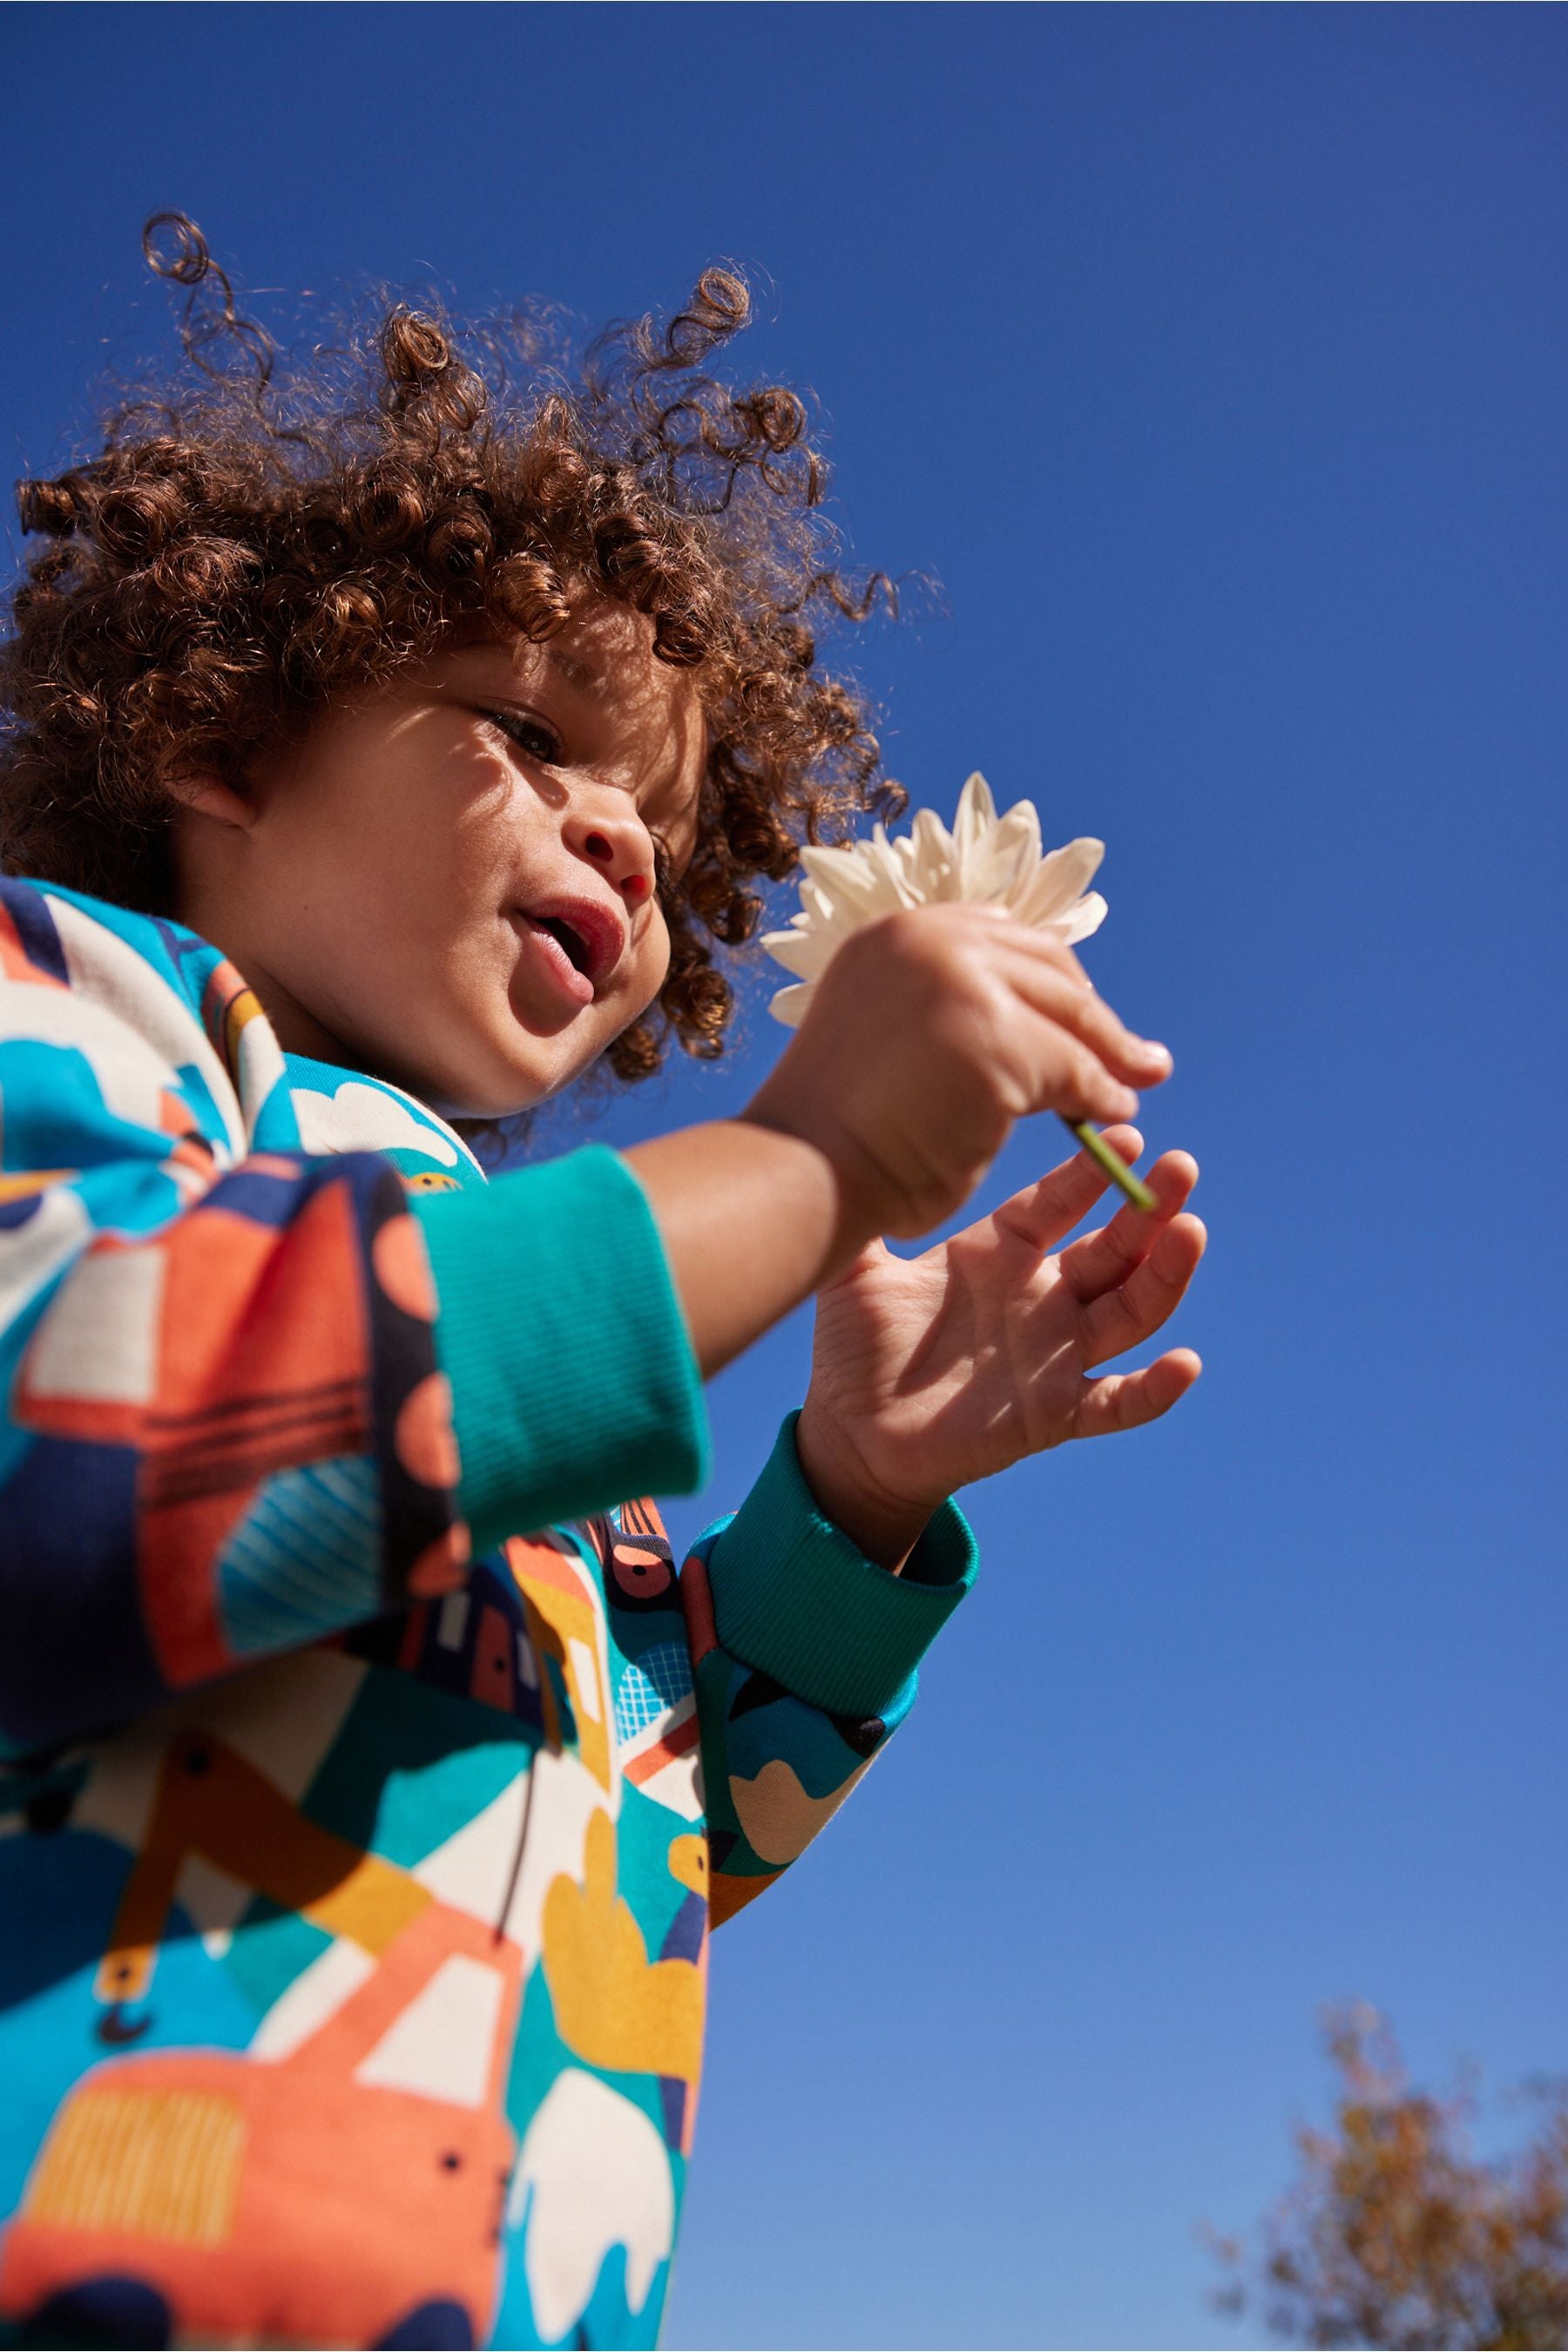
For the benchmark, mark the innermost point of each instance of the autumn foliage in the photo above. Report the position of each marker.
(1394, 2232)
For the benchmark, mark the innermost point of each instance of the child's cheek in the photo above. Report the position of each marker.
(654, 960)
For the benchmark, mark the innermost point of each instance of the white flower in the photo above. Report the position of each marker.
(985, 858)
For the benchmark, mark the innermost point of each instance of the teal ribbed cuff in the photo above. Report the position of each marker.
(796, 1600)
(573, 1383)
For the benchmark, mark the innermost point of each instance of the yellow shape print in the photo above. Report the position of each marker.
(689, 1863)
(148, 2163)
(564, 1624)
(18, 1187)
(614, 2006)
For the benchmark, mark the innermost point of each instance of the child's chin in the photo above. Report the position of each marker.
(466, 1105)
(504, 1081)
(525, 1091)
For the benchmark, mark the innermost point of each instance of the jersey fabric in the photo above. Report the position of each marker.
(372, 1773)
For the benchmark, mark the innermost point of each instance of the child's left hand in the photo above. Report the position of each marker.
(930, 1372)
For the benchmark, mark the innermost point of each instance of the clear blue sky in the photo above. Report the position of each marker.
(1214, 360)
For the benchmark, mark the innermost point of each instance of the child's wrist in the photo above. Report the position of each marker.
(862, 1208)
(885, 1527)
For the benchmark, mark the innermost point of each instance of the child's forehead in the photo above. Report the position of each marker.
(604, 655)
(597, 645)
(525, 662)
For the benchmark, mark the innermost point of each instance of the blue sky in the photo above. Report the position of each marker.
(1211, 359)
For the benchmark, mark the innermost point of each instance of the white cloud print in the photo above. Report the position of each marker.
(592, 2175)
(361, 1117)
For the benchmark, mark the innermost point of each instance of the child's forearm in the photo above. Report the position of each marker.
(752, 1219)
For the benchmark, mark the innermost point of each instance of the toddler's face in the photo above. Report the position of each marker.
(450, 882)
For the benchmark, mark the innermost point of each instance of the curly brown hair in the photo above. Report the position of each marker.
(255, 539)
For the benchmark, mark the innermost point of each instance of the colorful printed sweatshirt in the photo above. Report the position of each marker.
(370, 1778)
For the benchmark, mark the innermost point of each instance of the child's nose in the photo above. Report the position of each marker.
(624, 859)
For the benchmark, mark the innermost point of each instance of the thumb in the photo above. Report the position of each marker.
(867, 1261)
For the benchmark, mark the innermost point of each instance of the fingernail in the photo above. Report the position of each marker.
(1160, 1054)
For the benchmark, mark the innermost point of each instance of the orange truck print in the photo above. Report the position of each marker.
(377, 2148)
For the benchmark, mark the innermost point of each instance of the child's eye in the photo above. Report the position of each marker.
(530, 735)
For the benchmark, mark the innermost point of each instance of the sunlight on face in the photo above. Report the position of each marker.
(450, 882)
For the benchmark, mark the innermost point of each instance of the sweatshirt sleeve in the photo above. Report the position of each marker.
(804, 1657)
(226, 1392)
(574, 1379)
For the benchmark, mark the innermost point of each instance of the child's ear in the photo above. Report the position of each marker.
(209, 797)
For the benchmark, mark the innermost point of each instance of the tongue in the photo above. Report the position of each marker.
(577, 983)
(570, 941)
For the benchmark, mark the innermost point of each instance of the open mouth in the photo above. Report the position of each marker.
(582, 940)
(564, 954)
(573, 941)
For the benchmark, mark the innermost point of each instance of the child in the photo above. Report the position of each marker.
(375, 772)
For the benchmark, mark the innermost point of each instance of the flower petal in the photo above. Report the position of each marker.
(1025, 815)
(894, 864)
(856, 889)
(1058, 880)
(1009, 854)
(789, 1005)
(931, 869)
(976, 811)
(834, 869)
(806, 953)
(1086, 917)
(986, 859)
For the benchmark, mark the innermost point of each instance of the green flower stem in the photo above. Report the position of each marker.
(1117, 1171)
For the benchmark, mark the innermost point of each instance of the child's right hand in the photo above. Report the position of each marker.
(929, 1034)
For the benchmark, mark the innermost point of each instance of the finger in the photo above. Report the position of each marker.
(1102, 1261)
(1150, 1295)
(866, 1261)
(1128, 1399)
(1047, 944)
(1084, 1015)
(1075, 1084)
(1043, 1211)
(1044, 949)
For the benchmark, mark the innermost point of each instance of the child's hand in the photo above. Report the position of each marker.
(928, 1373)
(931, 1032)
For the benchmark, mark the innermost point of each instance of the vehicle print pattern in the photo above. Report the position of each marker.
(354, 1892)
